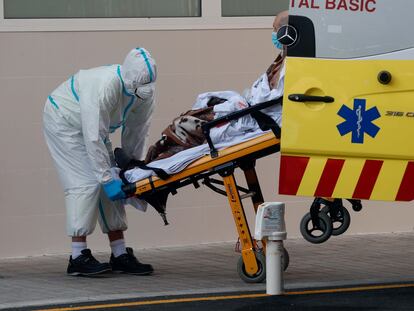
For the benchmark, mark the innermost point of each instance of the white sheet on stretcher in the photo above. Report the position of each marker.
(227, 135)
(181, 160)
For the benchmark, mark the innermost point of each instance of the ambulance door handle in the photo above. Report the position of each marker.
(309, 98)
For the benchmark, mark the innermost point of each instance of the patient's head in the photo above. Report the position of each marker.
(281, 19)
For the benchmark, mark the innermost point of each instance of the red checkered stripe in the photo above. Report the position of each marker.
(294, 168)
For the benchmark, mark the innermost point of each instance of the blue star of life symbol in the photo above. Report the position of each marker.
(358, 121)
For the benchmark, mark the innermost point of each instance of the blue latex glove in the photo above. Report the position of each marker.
(113, 189)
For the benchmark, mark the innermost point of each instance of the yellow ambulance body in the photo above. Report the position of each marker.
(348, 109)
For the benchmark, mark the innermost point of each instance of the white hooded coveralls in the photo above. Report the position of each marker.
(78, 117)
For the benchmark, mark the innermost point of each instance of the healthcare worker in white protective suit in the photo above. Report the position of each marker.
(78, 118)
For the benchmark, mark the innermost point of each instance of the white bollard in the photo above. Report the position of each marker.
(270, 225)
(274, 269)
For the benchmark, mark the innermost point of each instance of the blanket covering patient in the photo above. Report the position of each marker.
(185, 131)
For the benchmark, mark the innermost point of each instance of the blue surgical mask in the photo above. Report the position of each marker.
(276, 42)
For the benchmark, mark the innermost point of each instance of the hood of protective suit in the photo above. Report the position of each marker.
(139, 73)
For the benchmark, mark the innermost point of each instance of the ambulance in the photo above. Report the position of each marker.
(348, 107)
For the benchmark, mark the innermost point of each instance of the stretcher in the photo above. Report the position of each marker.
(155, 189)
(241, 156)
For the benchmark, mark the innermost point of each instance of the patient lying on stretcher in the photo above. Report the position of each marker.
(185, 131)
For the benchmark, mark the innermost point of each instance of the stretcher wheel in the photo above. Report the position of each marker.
(340, 222)
(316, 233)
(259, 276)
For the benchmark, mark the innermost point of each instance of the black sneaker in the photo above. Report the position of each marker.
(128, 263)
(86, 264)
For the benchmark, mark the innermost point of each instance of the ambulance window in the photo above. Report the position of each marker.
(25, 9)
(231, 8)
(356, 28)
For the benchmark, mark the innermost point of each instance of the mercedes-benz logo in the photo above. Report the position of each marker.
(287, 35)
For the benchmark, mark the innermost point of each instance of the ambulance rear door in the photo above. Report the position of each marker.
(348, 108)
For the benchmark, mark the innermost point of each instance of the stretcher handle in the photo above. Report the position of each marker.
(129, 189)
(310, 98)
(234, 116)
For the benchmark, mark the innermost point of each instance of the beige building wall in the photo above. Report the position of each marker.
(32, 215)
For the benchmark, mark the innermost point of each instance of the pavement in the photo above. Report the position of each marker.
(349, 260)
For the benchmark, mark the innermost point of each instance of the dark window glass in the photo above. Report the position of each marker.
(252, 7)
(25, 9)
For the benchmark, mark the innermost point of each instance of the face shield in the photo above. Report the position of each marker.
(139, 73)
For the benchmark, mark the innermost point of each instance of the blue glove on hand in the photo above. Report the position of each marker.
(113, 189)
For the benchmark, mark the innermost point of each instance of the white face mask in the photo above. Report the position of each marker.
(145, 91)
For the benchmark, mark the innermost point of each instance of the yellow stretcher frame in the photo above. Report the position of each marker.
(242, 155)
